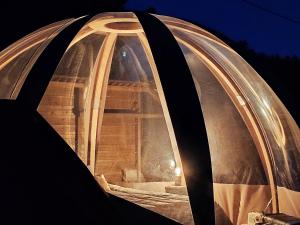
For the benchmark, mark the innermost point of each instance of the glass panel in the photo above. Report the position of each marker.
(65, 104)
(10, 74)
(235, 159)
(282, 132)
(17, 60)
(134, 153)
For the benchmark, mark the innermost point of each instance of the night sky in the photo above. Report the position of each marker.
(271, 27)
(265, 31)
(237, 19)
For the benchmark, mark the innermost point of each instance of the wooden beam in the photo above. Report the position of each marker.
(139, 140)
(98, 100)
(137, 115)
(142, 87)
(89, 105)
(87, 93)
(76, 112)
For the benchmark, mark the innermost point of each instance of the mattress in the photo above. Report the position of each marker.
(173, 206)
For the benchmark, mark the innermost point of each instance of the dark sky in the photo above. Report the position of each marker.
(264, 31)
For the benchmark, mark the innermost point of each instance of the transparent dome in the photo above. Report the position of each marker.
(106, 100)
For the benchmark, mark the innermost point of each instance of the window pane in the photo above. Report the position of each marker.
(235, 159)
(65, 104)
(282, 132)
(17, 60)
(240, 183)
(10, 74)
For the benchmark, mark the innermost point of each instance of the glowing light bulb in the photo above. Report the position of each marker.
(172, 164)
(177, 171)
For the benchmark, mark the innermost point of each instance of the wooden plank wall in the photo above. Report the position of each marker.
(57, 107)
(117, 142)
(117, 145)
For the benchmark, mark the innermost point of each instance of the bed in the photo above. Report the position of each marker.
(173, 206)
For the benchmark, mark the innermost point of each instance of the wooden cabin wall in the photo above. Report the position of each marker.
(120, 135)
(117, 145)
(58, 108)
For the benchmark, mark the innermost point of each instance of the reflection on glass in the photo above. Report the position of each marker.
(64, 104)
(17, 60)
(10, 74)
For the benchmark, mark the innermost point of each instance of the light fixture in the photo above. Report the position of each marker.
(177, 176)
(177, 171)
(172, 164)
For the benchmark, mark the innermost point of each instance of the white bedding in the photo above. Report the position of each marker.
(173, 206)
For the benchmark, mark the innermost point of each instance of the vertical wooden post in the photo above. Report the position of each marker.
(139, 139)
(102, 72)
(87, 97)
(79, 126)
(76, 112)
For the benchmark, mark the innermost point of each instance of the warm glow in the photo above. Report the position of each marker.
(172, 164)
(177, 171)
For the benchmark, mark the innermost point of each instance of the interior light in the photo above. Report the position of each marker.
(172, 164)
(177, 171)
(177, 176)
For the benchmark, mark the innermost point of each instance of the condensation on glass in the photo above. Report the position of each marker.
(283, 135)
(236, 165)
(281, 129)
(17, 60)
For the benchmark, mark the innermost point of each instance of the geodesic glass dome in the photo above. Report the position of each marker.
(106, 99)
